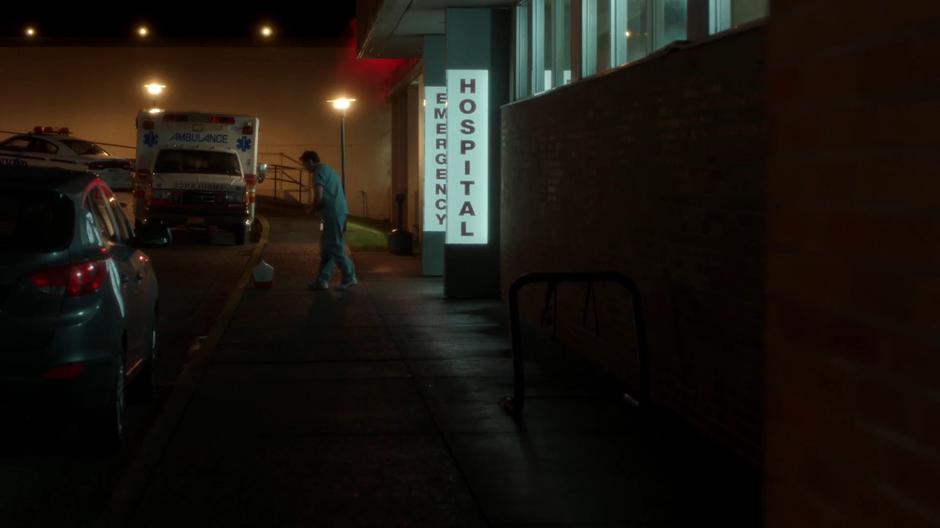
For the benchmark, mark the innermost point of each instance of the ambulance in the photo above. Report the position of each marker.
(197, 170)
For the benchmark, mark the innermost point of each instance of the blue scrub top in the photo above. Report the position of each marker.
(334, 201)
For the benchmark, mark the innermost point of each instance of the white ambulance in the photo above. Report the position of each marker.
(197, 169)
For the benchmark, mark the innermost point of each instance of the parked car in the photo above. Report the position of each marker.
(78, 298)
(51, 147)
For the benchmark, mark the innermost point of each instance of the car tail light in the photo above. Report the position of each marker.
(69, 371)
(74, 280)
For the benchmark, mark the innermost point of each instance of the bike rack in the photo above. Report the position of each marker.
(515, 404)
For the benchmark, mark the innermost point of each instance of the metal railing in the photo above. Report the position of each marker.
(515, 404)
(288, 175)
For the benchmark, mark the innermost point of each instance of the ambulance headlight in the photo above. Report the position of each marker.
(235, 196)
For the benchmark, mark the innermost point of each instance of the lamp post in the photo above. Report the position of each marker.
(154, 89)
(342, 104)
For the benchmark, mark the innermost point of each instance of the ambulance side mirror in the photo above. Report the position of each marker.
(262, 172)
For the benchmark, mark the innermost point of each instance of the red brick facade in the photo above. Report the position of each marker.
(853, 313)
(657, 170)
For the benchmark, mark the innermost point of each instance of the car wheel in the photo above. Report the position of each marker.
(143, 389)
(106, 426)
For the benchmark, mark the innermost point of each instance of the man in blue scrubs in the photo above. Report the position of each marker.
(330, 203)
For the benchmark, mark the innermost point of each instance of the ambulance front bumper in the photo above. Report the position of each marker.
(181, 216)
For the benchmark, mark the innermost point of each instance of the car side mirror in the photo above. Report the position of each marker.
(262, 172)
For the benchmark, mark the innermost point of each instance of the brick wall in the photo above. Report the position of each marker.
(853, 313)
(656, 170)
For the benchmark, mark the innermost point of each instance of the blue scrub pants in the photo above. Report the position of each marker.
(333, 250)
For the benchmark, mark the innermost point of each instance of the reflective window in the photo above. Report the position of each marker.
(637, 39)
(104, 218)
(523, 47)
(41, 146)
(543, 46)
(120, 219)
(615, 32)
(18, 143)
(34, 220)
(728, 14)
(669, 21)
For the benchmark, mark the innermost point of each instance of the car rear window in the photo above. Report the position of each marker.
(34, 221)
(84, 148)
(197, 162)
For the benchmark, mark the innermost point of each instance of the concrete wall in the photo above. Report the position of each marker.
(853, 333)
(656, 170)
(97, 92)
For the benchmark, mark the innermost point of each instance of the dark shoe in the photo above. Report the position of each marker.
(348, 284)
(318, 285)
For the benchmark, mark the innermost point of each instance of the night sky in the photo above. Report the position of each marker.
(176, 21)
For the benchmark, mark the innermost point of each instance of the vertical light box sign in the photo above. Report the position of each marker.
(468, 157)
(435, 155)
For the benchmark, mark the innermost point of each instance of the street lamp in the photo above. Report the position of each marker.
(342, 104)
(154, 89)
(30, 31)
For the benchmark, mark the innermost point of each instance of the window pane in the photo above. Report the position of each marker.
(523, 42)
(548, 47)
(670, 23)
(719, 15)
(16, 143)
(120, 221)
(637, 32)
(34, 221)
(562, 42)
(103, 215)
(604, 43)
(727, 14)
(537, 39)
(744, 11)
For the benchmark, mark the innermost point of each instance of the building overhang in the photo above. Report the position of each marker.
(396, 28)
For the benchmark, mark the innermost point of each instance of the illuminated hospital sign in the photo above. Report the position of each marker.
(467, 157)
(435, 156)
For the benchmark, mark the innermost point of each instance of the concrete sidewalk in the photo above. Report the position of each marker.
(377, 407)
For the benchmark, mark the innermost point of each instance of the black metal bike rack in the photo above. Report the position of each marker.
(515, 404)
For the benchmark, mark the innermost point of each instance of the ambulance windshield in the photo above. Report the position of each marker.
(197, 162)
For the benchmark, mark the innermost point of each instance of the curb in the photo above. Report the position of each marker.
(130, 488)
